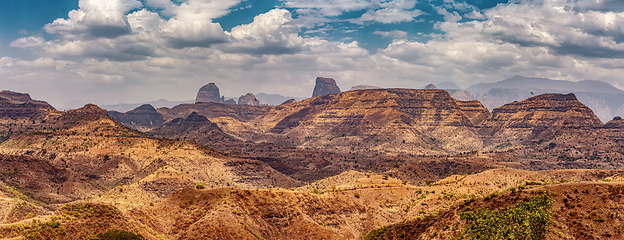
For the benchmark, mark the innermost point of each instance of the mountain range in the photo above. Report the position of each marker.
(361, 164)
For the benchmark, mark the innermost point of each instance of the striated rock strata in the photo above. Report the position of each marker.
(538, 117)
(401, 120)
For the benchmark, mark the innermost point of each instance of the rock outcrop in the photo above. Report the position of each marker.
(325, 86)
(142, 118)
(248, 99)
(209, 93)
(538, 117)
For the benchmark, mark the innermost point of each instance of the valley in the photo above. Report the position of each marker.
(362, 164)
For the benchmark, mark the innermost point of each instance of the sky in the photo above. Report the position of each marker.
(70, 52)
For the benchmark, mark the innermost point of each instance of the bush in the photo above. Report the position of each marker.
(525, 220)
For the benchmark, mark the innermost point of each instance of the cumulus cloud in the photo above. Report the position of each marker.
(392, 34)
(269, 33)
(172, 52)
(313, 12)
(28, 42)
(95, 18)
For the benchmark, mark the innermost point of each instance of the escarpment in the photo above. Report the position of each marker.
(373, 119)
(538, 117)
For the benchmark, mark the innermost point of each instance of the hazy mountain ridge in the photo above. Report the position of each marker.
(605, 100)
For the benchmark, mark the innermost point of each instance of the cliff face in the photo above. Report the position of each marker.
(399, 120)
(142, 118)
(538, 117)
(325, 86)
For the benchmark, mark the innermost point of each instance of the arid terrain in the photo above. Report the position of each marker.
(365, 164)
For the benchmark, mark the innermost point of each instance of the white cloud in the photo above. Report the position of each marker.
(28, 42)
(553, 39)
(315, 12)
(389, 15)
(392, 34)
(269, 33)
(95, 18)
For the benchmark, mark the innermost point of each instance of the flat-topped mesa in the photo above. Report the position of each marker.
(248, 99)
(15, 96)
(531, 118)
(15, 105)
(325, 86)
(209, 93)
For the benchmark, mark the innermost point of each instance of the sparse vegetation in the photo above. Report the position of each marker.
(525, 220)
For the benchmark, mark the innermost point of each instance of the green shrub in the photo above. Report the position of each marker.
(525, 220)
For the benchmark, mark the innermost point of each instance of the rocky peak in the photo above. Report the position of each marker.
(196, 118)
(431, 86)
(145, 108)
(209, 93)
(248, 99)
(89, 112)
(325, 86)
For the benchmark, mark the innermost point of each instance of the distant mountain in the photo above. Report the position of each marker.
(529, 83)
(448, 85)
(124, 107)
(274, 99)
(605, 100)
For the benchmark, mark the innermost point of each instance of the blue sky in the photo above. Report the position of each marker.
(111, 51)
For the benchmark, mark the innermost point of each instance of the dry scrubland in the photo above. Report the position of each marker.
(373, 164)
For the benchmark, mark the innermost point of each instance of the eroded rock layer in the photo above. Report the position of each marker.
(538, 117)
(381, 118)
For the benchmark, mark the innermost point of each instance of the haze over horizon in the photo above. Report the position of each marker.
(113, 51)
